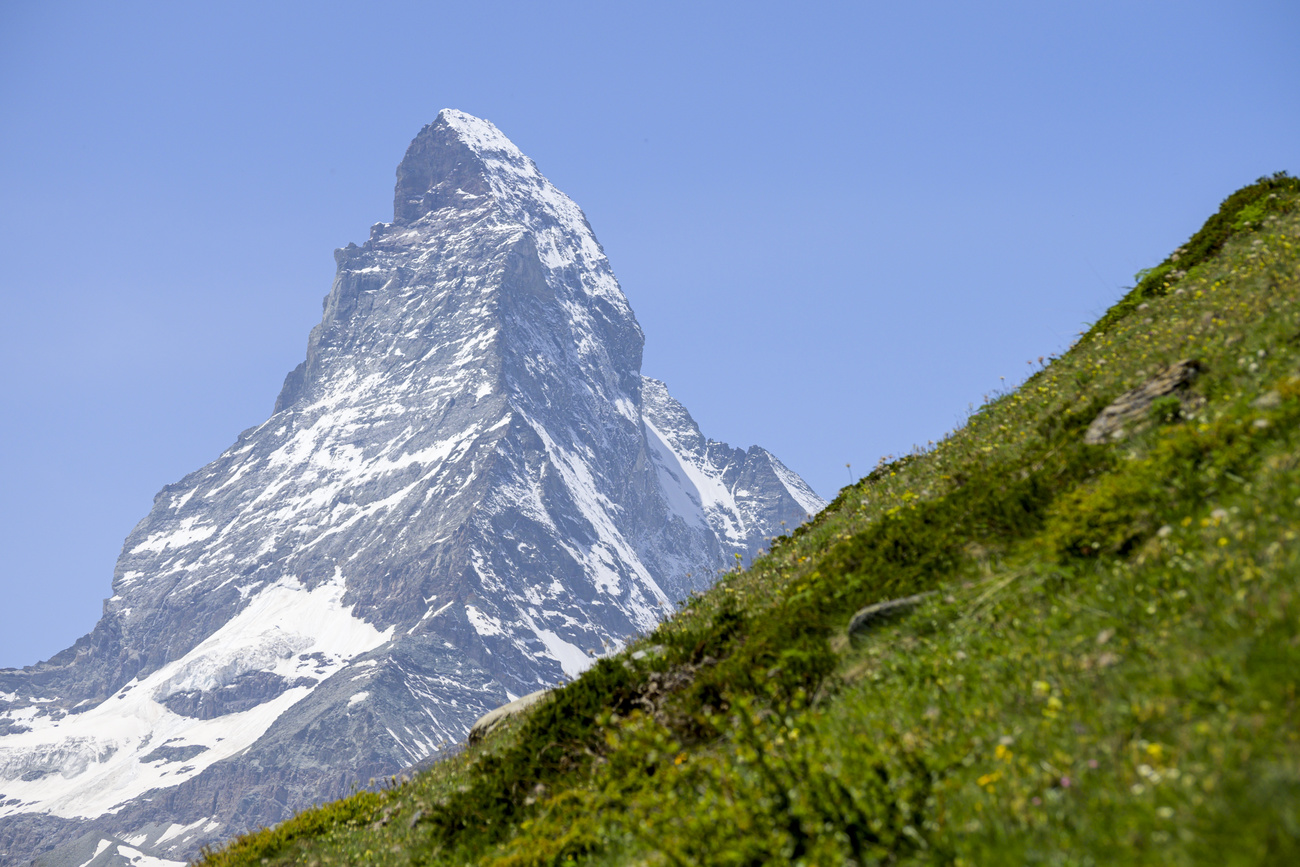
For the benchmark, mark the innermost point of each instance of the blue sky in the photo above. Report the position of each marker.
(839, 224)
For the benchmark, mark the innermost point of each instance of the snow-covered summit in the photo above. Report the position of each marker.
(466, 491)
(490, 171)
(482, 135)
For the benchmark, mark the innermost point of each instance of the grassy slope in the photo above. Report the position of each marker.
(1106, 675)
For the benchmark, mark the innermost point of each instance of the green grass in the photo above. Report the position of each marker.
(1106, 674)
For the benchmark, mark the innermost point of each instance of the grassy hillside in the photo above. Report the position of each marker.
(1105, 672)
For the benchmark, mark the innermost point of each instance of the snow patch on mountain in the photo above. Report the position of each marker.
(89, 763)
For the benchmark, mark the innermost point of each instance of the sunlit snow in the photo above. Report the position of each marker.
(92, 760)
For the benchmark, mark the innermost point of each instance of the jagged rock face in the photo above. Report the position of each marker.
(466, 492)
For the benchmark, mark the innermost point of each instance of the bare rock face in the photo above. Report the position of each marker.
(1133, 408)
(466, 492)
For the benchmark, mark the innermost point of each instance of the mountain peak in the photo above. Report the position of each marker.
(438, 163)
(464, 164)
(480, 135)
(457, 161)
(464, 494)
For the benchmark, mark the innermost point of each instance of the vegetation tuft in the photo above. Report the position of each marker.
(1104, 670)
(1247, 209)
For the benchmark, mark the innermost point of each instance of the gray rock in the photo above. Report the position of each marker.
(1268, 400)
(645, 652)
(1132, 409)
(880, 612)
(489, 722)
(466, 491)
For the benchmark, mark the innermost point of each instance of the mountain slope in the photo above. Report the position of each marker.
(1084, 645)
(463, 495)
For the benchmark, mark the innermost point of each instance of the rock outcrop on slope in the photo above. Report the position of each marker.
(466, 492)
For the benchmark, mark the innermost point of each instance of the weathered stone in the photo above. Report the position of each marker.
(874, 615)
(1132, 409)
(489, 722)
(1267, 400)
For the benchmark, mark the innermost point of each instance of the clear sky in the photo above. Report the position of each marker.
(839, 224)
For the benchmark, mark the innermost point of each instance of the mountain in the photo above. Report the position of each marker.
(1069, 633)
(466, 492)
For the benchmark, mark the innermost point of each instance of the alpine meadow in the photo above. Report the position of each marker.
(1067, 633)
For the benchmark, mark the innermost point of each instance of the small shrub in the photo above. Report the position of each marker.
(1166, 409)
